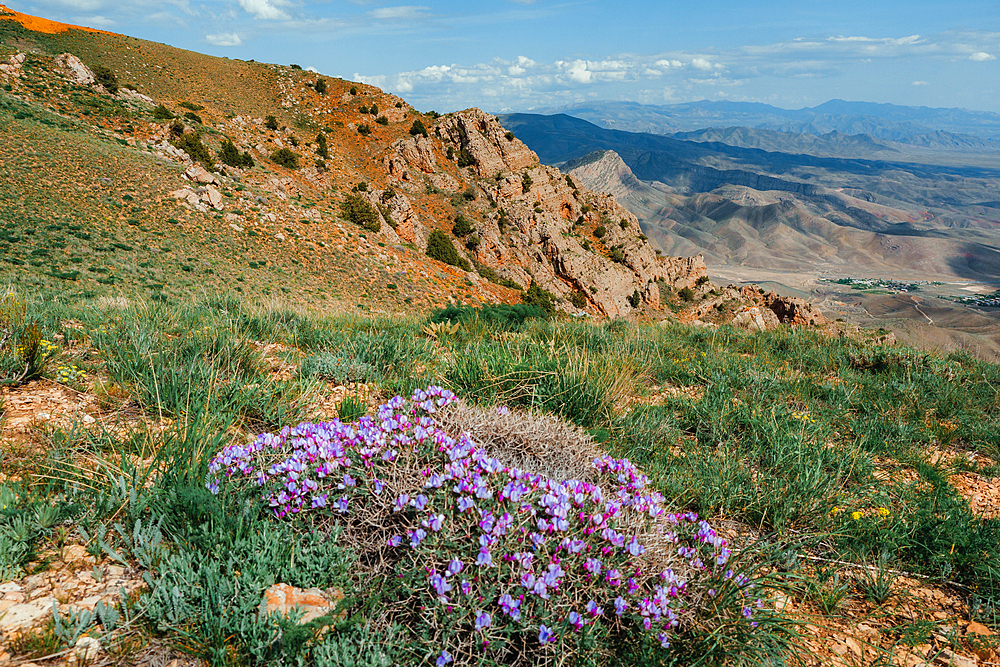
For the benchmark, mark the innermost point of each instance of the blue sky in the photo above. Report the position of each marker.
(529, 54)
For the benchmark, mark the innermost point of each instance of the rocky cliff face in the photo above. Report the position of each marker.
(533, 223)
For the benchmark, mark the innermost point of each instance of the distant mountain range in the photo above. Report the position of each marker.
(746, 197)
(953, 129)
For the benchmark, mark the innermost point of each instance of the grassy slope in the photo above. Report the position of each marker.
(829, 450)
(68, 137)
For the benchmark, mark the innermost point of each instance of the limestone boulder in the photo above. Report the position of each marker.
(213, 197)
(77, 71)
(26, 614)
(756, 318)
(199, 174)
(312, 603)
(13, 66)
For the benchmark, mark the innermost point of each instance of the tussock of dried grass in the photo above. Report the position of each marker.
(531, 441)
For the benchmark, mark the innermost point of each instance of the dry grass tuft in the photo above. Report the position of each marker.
(531, 441)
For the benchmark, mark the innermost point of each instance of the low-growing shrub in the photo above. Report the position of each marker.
(440, 247)
(537, 296)
(322, 149)
(382, 120)
(107, 78)
(600, 231)
(230, 155)
(286, 158)
(271, 123)
(465, 158)
(162, 113)
(190, 143)
(461, 226)
(418, 128)
(364, 130)
(578, 299)
(490, 560)
(320, 86)
(335, 367)
(361, 213)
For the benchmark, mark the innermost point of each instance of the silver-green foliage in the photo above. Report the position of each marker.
(356, 648)
(334, 367)
(214, 591)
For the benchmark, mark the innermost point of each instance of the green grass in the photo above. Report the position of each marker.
(778, 431)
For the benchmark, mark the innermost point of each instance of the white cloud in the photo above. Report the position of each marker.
(312, 69)
(577, 71)
(524, 83)
(401, 13)
(82, 5)
(224, 39)
(373, 80)
(265, 9)
(912, 39)
(981, 56)
(96, 21)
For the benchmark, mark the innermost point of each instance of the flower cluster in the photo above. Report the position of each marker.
(880, 512)
(486, 546)
(804, 416)
(69, 374)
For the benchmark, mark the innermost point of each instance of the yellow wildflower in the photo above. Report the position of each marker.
(882, 511)
(855, 515)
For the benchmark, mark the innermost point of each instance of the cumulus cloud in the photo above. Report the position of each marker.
(525, 83)
(224, 39)
(265, 9)
(521, 66)
(577, 71)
